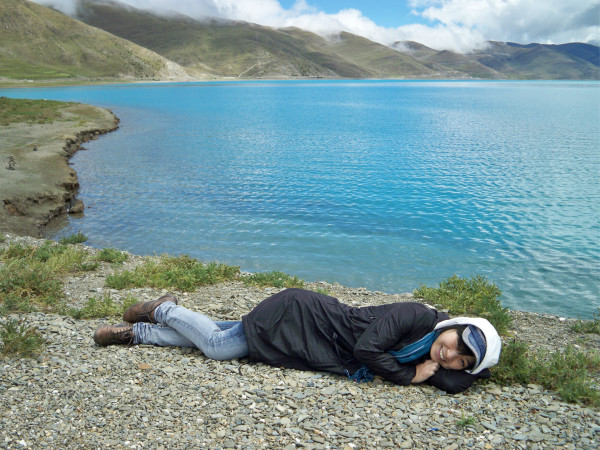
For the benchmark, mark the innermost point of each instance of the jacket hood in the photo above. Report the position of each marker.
(484, 340)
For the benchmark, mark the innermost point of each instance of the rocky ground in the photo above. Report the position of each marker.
(79, 395)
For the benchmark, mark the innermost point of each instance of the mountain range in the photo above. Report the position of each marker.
(106, 39)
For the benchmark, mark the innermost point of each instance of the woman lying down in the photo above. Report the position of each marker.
(299, 329)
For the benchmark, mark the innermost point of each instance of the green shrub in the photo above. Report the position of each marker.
(124, 280)
(16, 339)
(474, 296)
(48, 250)
(112, 255)
(13, 303)
(71, 260)
(59, 258)
(77, 238)
(28, 286)
(173, 272)
(42, 253)
(567, 372)
(514, 364)
(128, 301)
(466, 421)
(105, 306)
(322, 291)
(17, 251)
(274, 278)
(588, 326)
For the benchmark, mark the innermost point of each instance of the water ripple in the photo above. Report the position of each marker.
(377, 184)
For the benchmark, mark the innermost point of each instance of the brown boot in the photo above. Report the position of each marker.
(121, 334)
(144, 311)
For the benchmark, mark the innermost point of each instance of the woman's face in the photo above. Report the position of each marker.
(444, 351)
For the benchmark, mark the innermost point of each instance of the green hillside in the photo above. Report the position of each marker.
(240, 49)
(40, 43)
(218, 48)
(382, 61)
(463, 64)
(110, 40)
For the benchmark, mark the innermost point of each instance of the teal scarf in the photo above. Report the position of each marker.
(407, 354)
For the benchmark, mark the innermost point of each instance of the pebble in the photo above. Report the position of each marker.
(79, 395)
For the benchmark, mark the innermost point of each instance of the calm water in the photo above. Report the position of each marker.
(378, 184)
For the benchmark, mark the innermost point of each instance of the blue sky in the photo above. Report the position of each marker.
(458, 25)
(387, 13)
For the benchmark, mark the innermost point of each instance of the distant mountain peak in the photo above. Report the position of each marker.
(124, 41)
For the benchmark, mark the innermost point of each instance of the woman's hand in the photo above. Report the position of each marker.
(425, 370)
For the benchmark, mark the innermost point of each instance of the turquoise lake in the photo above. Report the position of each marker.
(381, 184)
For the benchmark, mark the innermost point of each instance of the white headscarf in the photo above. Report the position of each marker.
(492, 340)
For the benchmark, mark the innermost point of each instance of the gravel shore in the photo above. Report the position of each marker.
(79, 395)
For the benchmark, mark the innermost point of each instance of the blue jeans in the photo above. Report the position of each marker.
(180, 327)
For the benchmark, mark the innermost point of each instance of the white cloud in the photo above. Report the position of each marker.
(458, 25)
(66, 6)
(524, 21)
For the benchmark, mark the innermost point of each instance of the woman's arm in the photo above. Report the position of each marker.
(406, 322)
(403, 322)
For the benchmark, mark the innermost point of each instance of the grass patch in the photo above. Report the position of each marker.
(466, 421)
(323, 291)
(473, 296)
(588, 326)
(29, 277)
(173, 272)
(29, 111)
(71, 260)
(58, 258)
(19, 69)
(27, 286)
(567, 372)
(275, 279)
(17, 339)
(77, 238)
(105, 306)
(113, 256)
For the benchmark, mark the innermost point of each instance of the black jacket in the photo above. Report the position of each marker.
(300, 329)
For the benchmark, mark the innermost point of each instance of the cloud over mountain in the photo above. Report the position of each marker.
(458, 25)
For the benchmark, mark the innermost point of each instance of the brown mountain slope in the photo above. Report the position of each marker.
(40, 43)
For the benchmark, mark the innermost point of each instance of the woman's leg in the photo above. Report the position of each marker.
(226, 324)
(152, 334)
(203, 332)
(165, 336)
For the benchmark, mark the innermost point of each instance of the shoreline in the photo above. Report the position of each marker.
(20, 84)
(23, 84)
(31, 198)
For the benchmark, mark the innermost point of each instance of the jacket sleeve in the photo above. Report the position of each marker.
(403, 322)
(451, 381)
(455, 381)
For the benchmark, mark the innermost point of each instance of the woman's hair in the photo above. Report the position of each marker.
(462, 348)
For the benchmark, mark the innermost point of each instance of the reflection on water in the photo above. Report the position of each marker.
(377, 184)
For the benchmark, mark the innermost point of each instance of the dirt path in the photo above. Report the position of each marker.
(42, 185)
